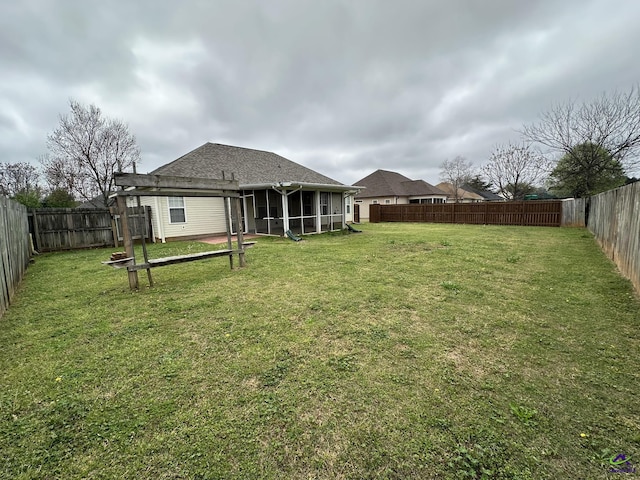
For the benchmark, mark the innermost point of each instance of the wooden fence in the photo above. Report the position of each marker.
(56, 229)
(14, 249)
(574, 212)
(545, 213)
(614, 219)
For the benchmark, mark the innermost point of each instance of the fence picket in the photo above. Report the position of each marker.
(70, 228)
(538, 213)
(14, 248)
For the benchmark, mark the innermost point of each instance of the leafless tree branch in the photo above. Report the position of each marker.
(456, 172)
(85, 150)
(610, 122)
(514, 167)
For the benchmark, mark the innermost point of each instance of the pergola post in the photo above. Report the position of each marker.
(227, 219)
(239, 232)
(127, 240)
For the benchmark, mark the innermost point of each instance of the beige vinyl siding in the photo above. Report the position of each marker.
(364, 205)
(204, 216)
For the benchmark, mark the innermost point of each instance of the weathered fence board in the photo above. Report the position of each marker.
(56, 229)
(533, 213)
(614, 219)
(14, 249)
(574, 212)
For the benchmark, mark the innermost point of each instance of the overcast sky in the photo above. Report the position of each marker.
(341, 86)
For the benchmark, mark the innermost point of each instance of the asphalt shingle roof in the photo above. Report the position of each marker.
(383, 183)
(487, 195)
(249, 166)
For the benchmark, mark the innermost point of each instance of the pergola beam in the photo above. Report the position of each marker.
(171, 182)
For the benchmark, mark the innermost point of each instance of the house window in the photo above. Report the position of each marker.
(347, 202)
(387, 201)
(177, 213)
(375, 202)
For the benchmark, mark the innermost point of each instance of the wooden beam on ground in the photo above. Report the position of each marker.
(161, 262)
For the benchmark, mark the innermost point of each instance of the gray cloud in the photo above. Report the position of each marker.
(343, 87)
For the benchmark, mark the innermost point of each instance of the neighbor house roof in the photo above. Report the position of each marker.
(383, 183)
(250, 167)
(486, 194)
(463, 192)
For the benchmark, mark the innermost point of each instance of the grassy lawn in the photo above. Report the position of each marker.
(406, 351)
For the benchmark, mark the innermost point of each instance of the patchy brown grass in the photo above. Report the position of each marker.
(401, 352)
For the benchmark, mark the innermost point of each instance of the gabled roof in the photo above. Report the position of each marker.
(463, 192)
(383, 183)
(486, 194)
(248, 166)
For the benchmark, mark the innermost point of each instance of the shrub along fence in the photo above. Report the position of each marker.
(14, 248)
(56, 229)
(545, 213)
(614, 219)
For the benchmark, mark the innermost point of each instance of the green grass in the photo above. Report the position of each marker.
(405, 351)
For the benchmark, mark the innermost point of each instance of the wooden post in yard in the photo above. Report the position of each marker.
(114, 227)
(127, 240)
(239, 232)
(227, 219)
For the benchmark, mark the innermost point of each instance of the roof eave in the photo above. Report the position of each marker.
(325, 186)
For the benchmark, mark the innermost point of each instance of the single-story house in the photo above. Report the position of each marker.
(485, 194)
(390, 188)
(468, 194)
(464, 195)
(276, 195)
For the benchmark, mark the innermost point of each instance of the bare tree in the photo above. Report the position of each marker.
(456, 172)
(610, 123)
(514, 169)
(16, 178)
(85, 151)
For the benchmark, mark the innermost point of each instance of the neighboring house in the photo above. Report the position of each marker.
(464, 195)
(467, 194)
(276, 195)
(390, 188)
(485, 194)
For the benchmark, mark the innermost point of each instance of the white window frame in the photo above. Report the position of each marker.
(183, 207)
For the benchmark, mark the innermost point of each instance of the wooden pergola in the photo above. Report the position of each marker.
(137, 185)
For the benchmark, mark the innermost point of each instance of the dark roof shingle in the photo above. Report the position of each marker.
(248, 166)
(383, 183)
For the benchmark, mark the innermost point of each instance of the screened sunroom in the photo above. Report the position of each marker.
(301, 208)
